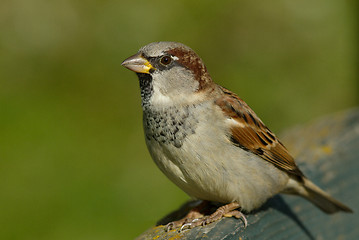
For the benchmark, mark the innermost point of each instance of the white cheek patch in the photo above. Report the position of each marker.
(174, 86)
(158, 97)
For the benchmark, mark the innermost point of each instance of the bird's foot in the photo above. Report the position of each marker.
(194, 218)
(228, 210)
(193, 214)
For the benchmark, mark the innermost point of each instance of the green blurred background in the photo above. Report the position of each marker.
(73, 161)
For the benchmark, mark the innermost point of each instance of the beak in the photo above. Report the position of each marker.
(138, 64)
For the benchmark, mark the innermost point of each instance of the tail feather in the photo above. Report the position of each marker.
(323, 200)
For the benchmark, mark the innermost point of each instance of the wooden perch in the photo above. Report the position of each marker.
(327, 151)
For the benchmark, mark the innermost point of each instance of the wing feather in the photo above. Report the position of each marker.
(249, 132)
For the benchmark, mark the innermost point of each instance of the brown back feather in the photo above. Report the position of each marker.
(252, 135)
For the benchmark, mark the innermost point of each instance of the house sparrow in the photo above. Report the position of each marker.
(209, 142)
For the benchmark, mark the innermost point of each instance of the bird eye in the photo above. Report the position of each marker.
(165, 60)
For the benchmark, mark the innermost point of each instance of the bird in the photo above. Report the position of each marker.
(209, 142)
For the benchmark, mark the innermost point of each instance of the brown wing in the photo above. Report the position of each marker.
(249, 133)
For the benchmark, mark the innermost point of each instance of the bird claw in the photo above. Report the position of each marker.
(195, 222)
(169, 226)
(239, 215)
(184, 223)
(243, 218)
(185, 226)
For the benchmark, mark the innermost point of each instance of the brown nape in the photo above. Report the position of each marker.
(190, 60)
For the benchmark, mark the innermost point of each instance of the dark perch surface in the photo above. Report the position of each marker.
(327, 151)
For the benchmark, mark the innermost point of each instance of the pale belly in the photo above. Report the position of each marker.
(207, 166)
